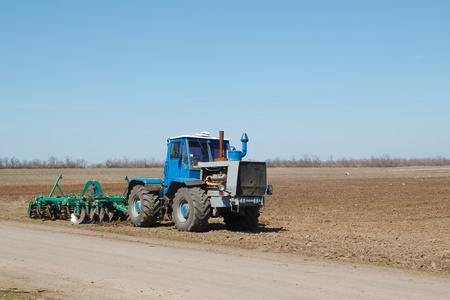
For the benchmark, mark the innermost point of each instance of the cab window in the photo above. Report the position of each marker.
(185, 157)
(198, 152)
(175, 151)
(215, 149)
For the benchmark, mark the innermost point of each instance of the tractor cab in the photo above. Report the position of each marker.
(186, 151)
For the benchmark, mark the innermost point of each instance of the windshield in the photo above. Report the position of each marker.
(198, 151)
(215, 149)
(204, 151)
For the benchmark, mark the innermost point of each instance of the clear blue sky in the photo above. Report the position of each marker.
(110, 79)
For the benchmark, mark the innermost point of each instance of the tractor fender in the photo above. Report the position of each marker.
(151, 185)
(192, 183)
(174, 186)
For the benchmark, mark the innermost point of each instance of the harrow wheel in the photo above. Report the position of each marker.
(78, 216)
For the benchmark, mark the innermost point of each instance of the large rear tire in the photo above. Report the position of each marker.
(144, 207)
(246, 222)
(191, 209)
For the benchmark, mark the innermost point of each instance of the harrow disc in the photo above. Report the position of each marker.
(47, 213)
(56, 213)
(34, 212)
(109, 215)
(101, 214)
(93, 217)
(96, 214)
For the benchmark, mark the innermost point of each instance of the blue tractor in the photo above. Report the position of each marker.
(203, 177)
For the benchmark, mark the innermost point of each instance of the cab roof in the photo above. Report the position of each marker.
(202, 135)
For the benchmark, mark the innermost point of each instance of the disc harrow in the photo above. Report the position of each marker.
(96, 207)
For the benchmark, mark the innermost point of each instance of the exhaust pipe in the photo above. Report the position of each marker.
(238, 155)
(220, 158)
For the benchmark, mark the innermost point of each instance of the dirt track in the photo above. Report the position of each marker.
(66, 263)
(396, 217)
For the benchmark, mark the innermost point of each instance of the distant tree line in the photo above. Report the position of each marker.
(55, 163)
(127, 163)
(307, 161)
(385, 161)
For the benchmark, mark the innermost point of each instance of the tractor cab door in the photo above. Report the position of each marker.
(174, 160)
(180, 164)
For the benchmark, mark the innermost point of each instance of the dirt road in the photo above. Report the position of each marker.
(56, 263)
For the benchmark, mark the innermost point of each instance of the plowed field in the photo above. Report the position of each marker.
(397, 217)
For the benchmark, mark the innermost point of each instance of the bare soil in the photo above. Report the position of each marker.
(398, 217)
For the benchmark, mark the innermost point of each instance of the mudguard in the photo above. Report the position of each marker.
(152, 185)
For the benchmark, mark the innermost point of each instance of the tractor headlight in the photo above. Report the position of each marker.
(221, 187)
(269, 189)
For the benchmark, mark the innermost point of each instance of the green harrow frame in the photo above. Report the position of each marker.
(94, 208)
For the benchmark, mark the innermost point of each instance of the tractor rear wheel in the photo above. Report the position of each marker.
(246, 222)
(144, 207)
(191, 209)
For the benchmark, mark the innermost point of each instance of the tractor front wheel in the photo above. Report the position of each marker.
(191, 209)
(144, 208)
